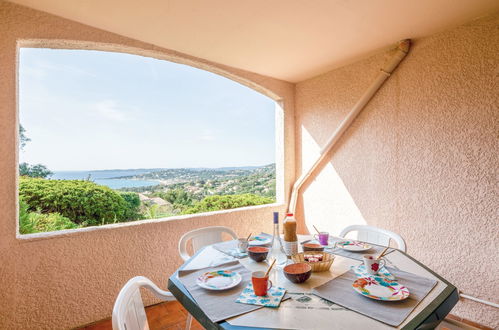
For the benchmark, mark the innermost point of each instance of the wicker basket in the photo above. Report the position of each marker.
(321, 266)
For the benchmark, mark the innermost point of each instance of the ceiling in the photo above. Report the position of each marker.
(287, 39)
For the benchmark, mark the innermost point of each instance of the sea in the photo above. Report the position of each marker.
(107, 177)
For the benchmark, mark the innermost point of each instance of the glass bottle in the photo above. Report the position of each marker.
(290, 237)
(277, 250)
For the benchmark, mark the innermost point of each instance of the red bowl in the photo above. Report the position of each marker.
(258, 253)
(298, 273)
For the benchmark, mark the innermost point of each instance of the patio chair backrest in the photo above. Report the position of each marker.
(375, 235)
(201, 237)
(128, 311)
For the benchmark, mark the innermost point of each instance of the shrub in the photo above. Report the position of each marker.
(25, 225)
(132, 201)
(84, 202)
(32, 222)
(49, 222)
(217, 202)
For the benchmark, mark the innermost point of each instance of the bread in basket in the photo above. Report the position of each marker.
(319, 261)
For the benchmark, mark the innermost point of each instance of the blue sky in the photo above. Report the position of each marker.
(87, 110)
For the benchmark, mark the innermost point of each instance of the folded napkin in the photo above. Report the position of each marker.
(339, 291)
(230, 248)
(218, 305)
(272, 299)
(208, 257)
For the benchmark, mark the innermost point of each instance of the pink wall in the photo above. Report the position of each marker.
(422, 158)
(66, 280)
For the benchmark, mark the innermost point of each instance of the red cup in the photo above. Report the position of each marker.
(260, 283)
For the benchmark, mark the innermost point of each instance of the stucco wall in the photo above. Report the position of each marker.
(421, 159)
(73, 279)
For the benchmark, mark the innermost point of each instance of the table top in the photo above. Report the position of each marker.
(297, 313)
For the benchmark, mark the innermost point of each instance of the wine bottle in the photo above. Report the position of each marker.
(277, 250)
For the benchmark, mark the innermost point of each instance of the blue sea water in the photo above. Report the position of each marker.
(105, 177)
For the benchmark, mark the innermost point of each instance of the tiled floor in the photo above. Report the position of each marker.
(165, 316)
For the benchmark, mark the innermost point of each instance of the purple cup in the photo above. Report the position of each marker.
(323, 238)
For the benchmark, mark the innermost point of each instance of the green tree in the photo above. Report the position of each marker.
(23, 139)
(25, 169)
(34, 171)
(177, 196)
(132, 201)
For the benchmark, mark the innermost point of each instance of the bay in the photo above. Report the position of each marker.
(108, 178)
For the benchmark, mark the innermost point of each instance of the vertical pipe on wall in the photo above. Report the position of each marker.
(385, 72)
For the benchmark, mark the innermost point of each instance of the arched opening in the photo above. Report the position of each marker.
(108, 137)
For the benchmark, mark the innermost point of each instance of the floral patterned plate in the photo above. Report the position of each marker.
(260, 240)
(355, 246)
(219, 280)
(380, 288)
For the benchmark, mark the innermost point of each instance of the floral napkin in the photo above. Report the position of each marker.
(272, 299)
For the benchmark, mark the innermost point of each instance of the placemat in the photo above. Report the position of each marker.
(230, 248)
(339, 290)
(218, 305)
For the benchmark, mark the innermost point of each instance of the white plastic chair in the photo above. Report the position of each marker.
(375, 235)
(202, 237)
(128, 311)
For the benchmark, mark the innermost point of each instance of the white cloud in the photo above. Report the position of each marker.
(111, 110)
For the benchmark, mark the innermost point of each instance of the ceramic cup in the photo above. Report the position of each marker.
(372, 264)
(242, 245)
(261, 284)
(323, 238)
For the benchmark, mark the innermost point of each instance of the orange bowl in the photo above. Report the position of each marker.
(298, 273)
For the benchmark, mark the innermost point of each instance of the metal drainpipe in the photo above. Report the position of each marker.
(385, 72)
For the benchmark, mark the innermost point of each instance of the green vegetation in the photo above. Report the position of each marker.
(83, 202)
(178, 198)
(215, 203)
(23, 139)
(132, 210)
(34, 171)
(25, 169)
(50, 205)
(33, 222)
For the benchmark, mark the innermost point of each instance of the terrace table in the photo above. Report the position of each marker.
(427, 315)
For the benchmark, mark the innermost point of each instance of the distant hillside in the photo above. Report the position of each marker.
(205, 182)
